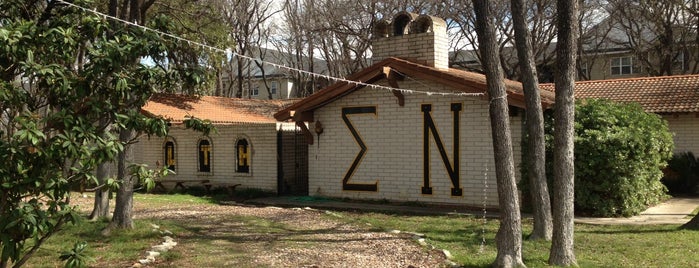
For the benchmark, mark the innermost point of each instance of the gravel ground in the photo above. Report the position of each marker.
(310, 238)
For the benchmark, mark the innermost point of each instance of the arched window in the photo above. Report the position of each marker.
(169, 154)
(243, 156)
(204, 155)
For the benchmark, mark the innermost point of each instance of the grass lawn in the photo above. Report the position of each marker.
(595, 245)
(463, 236)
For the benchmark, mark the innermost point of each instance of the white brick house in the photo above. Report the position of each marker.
(243, 151)
(370, 143)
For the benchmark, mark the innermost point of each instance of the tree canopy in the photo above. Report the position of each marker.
(62, 70)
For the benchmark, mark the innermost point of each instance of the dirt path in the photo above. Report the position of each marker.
(211, 235)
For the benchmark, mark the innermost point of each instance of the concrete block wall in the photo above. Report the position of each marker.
(685, 129)
(263, 166)
(394, 141)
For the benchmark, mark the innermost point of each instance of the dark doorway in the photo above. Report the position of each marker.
(292, 162)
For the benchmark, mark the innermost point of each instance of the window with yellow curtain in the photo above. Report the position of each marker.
(242, 156)
(169, 155)
(204, 155)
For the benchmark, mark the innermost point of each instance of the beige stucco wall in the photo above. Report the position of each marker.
(685, 129)
(285, 88)
(261, 137)
(600, 66)
(394, 140)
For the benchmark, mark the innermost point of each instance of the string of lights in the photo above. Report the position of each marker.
(276, 65)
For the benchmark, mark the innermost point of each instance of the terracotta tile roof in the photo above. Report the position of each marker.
(220, 110)
(662, 94)
(458, 80)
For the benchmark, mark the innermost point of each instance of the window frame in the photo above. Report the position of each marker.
(208, 159)
(584, 70)
(619, 67)
(243, 169)
(255, 91)
(170, 163)
(273, 87)
(680, 62)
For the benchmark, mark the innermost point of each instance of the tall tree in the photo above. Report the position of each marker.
(562, 251)
(692, 224)
(51, 108)
(342, 38)
(247, 19)
(509, 236)
(183, 73)
(132, 11)
(536, 144)
(168, 16)
(201, 21)
(539, 19)
(100, 208)
(660, 33)
(298, 29)
(593, 32)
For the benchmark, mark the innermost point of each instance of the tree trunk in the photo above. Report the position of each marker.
(562, 252)
(101, 207)
(536, 152)
(124, 196)
(239, 78)
(509, 236)
(693, 224)
(218, 91)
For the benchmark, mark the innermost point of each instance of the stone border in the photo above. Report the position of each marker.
(156, 250)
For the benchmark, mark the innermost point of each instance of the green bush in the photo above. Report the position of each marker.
(620, 152)
(682, 174)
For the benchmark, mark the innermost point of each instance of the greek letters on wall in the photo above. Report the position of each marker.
(452, 169)
(346, 185)
(429, 131)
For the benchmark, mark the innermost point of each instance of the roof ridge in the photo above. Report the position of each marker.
(663, 77)
(201, 97)
(217, 109)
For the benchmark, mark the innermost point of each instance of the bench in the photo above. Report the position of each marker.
(178, 183)
(206, 183)
(229, 186)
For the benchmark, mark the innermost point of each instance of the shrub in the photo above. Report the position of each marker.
(620, 152)
(682, 174)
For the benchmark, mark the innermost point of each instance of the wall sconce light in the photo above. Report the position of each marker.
(318, 128)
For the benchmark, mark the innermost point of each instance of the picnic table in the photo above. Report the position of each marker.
(207, 184)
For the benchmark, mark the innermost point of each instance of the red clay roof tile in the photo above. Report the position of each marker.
(219, 110)
(662, 94)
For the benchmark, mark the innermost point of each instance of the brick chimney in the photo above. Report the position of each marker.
(418, 38)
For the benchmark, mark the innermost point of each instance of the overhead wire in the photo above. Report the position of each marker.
(276, 65)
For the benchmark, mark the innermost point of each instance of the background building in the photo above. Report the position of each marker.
(249, 147)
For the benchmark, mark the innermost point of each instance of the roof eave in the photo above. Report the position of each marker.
(375, 72)
(333, 92)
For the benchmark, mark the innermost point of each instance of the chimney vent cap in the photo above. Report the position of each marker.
(382, 29)
(425, 24)
(401, 22)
